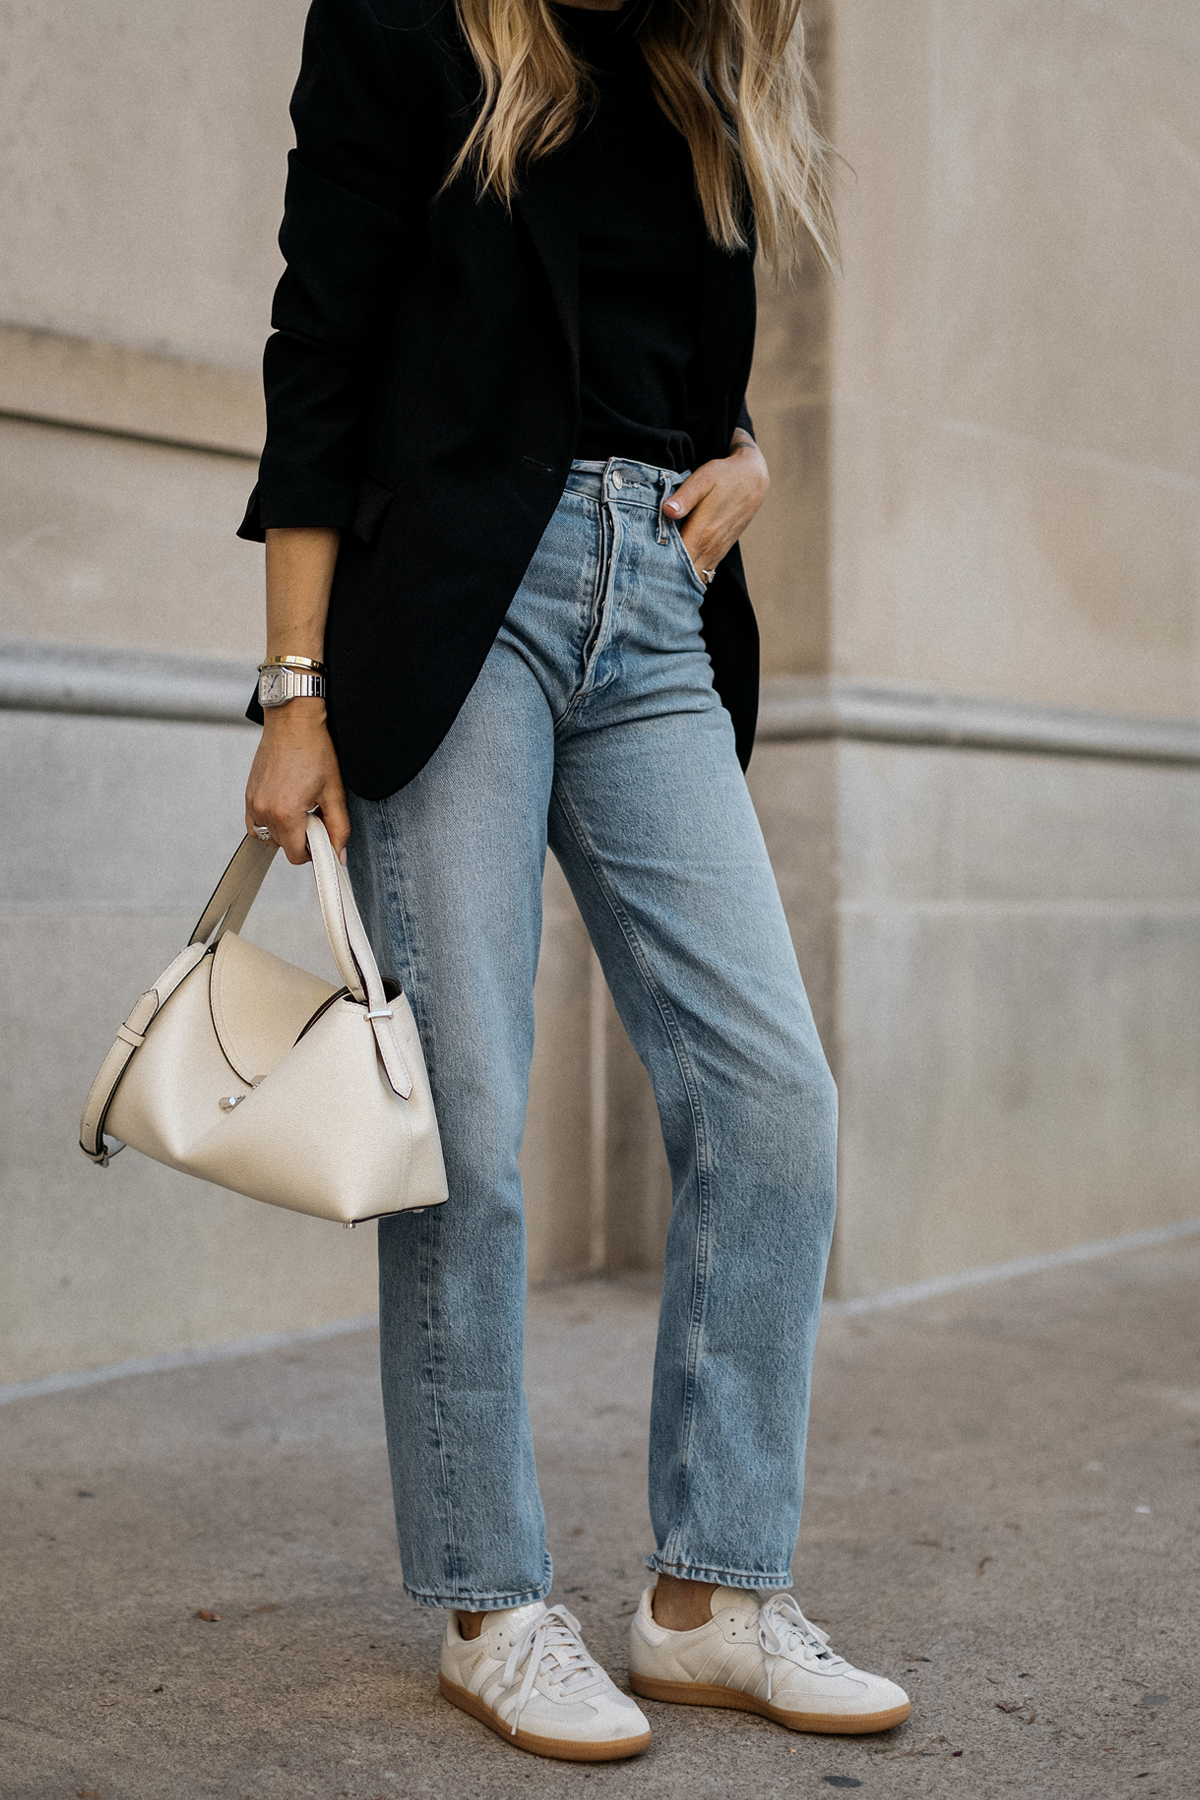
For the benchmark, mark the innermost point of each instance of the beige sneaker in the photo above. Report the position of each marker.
(529, 1677)
(760, 1655)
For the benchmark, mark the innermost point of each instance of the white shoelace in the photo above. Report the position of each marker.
(785, 1633)
(552, 1646)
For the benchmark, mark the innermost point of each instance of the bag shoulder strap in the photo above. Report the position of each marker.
(236, 891)
(130, 1037)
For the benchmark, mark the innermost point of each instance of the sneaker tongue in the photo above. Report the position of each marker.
(515, 1618)
(735, 1600)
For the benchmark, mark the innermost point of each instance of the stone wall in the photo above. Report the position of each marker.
(1010, 969)
(977, 575)
(1014, 369)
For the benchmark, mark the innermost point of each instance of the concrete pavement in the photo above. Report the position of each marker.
(1001, 1514)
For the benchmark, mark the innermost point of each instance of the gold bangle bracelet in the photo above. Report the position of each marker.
(294, 662)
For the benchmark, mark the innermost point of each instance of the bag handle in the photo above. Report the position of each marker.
(328, 874)
(237, 891)
(352, 951)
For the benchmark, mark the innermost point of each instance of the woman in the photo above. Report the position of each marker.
(507, 465)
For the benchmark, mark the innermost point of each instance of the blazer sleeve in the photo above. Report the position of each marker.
(349, 207)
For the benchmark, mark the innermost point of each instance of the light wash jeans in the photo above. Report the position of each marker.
(594, 726)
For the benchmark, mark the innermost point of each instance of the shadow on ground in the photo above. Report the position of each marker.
(1001, 1514)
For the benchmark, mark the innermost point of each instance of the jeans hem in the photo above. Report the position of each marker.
(480, 1602)
(732, 1578)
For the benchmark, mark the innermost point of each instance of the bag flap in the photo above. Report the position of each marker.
(260, 1005)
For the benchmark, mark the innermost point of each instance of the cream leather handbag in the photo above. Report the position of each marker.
(244, 1070)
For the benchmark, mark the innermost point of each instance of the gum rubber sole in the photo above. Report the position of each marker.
(561, 1749)
(698, 1693)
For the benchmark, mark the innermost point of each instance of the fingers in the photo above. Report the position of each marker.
(695, 506)
(285, 826)
(273, 804)
(717, 502)
(710, 531)
(295, 772)
(291, 837)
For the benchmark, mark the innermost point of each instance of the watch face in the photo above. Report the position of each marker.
(271, 688)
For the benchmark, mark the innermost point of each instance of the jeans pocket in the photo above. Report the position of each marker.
(676, 537)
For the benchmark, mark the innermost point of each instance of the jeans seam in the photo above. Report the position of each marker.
(427, 1225)
(601, 629)
(699, 1125)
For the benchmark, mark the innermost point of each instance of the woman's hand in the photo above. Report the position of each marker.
(718, 500)
(294, 772)
(296, 769)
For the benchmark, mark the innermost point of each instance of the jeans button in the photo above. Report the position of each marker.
(617, 480)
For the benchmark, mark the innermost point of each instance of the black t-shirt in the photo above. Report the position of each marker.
(641, 233)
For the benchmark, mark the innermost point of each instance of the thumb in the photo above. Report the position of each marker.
(687, 495)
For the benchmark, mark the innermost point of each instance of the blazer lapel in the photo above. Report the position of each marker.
(541, 203)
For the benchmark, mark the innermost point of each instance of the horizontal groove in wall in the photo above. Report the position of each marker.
(163, 684)
(160, 439)
(795, 710)
(120, 683)
(86, 384)
(1069, 909)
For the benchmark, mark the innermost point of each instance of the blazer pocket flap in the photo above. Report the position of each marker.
(373, 501)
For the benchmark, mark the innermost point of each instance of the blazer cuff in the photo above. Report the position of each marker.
(316, 509)
(251, 527)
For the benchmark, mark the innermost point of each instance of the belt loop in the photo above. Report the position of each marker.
(663, 496)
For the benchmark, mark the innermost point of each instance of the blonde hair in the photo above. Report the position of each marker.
(732, 76)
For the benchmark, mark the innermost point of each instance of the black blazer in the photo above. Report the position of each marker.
(422, 384)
